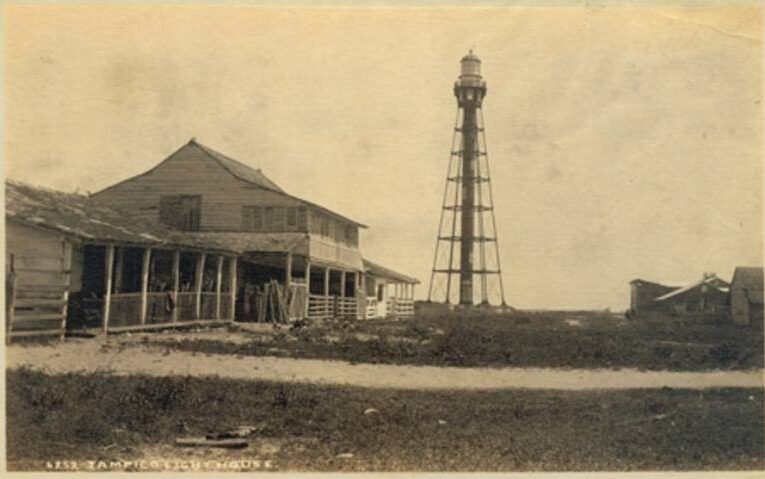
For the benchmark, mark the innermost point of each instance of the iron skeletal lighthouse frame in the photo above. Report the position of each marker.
(463, 214)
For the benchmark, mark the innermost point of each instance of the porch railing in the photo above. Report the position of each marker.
(186, 306)
(346, 308)
(371, 310)
(400, 308)
(320, 307)
(328, 307)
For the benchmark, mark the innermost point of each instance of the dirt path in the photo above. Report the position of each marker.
(97, 355)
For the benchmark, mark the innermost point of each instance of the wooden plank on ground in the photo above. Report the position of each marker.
(201, 441)
(179, 324)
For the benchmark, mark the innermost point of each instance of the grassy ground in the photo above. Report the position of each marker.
(568, 340)
(305, 427)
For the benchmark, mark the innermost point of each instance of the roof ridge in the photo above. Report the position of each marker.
(213, 153)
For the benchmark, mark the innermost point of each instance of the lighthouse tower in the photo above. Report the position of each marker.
(467, 229)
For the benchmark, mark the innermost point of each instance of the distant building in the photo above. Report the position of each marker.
(746, 295)
(709, 294)
(642, 293)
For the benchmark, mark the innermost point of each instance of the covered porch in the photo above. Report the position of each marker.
(284, 277)
(124, 287)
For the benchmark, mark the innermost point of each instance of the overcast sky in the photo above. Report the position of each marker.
(624, 142)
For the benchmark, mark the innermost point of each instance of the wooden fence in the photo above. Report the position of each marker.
(400, 308)
(36, 296)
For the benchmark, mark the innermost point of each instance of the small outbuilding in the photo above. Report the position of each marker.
(708, 295)
(746, 295)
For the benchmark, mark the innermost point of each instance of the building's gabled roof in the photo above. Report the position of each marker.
(383, 272)
(77, 216)
(257, 178)
(244, 173)
(711, 280)
(749, 278)
(240, 170)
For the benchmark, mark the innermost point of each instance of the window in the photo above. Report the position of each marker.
(181, 212)
(280, 219)
(302, 218)
(291, 217)
(252, 218)
(324, 226)
(268, 219)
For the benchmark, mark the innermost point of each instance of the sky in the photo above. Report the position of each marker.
(624, 142)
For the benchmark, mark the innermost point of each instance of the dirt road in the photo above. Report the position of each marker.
(90, 355)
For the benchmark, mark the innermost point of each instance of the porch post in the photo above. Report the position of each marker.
(233, 285)
(198, 278)
(342, 283)
(176, 281)
(361, 296)
(328, 307)
(307, 285)
(118, 269)
(218, 281)
(145, 266)
(108, 270)
(288, 270)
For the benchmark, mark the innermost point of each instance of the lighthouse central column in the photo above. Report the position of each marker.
(469, 135)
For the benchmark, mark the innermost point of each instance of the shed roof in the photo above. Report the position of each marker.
(383, 272)
(80, 217)
(260, 242)
(711, 280)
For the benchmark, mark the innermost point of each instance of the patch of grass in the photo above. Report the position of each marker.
(518, 339)
(100, 417)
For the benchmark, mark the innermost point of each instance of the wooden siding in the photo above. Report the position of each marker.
(39, 291)
(326, 226)
(326, 250)
(190, 171)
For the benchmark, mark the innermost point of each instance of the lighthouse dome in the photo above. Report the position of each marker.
(471, 65)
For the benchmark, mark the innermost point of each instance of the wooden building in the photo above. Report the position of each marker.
(307, 249)
(74, 264)
(388, 293)
(642, 293)
(708, 295)
(746, 295)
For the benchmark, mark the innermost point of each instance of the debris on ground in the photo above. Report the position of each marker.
(231, 439)
(370, 411)
(202, 441)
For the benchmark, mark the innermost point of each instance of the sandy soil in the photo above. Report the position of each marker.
(107, 355)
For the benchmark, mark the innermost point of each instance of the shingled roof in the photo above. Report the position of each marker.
(257, 178)
(80, 217)
(383, 272)
(240, 170)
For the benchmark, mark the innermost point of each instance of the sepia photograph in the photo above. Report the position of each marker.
(425, 237)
